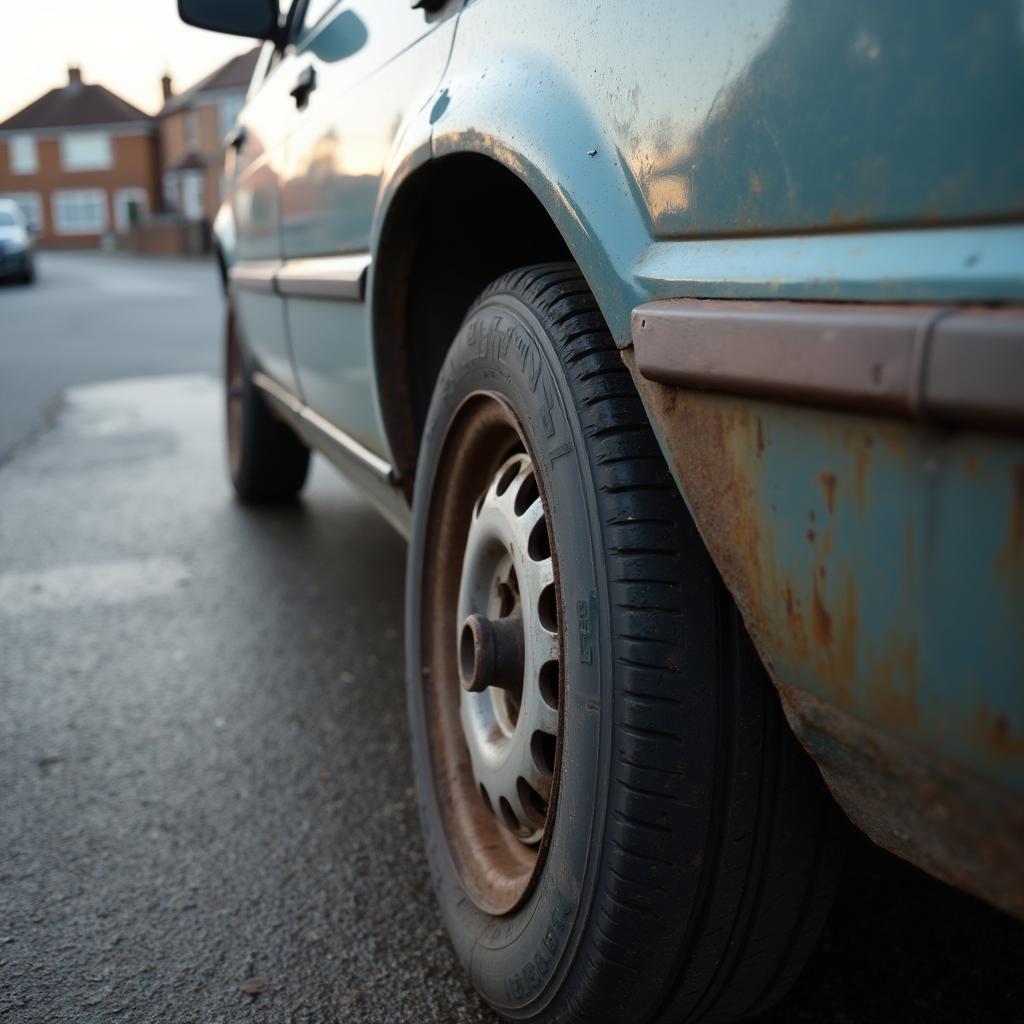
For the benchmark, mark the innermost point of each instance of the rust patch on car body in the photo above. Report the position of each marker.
(878, 565)
(996, 731)
(822, 619)
(828, 487)
(928, 810)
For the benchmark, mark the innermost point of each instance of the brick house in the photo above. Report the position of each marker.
(193, 126)
(81, 162)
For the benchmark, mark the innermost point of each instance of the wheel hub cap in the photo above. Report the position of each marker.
(508, 650)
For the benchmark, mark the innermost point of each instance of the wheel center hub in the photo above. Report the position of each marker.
(491, 653)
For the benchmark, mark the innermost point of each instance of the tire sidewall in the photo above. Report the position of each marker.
(519, 961)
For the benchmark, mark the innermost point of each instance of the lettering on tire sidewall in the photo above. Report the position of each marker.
(501, 347)
(536, 966)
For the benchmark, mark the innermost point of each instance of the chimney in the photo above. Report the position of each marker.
(168, 88)
(74, 76)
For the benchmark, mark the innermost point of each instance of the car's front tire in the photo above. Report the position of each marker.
(267, 461)
(658, 847)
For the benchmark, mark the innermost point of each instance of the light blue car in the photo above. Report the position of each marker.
(685, 343)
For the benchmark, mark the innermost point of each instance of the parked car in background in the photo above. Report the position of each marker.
(16, 259)
(686, 345)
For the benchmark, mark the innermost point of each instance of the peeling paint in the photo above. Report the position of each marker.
(879, 568)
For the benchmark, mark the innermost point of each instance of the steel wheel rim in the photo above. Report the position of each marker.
(495, 748)
(507, 590)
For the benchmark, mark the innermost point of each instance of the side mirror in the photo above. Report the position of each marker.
(257, 19)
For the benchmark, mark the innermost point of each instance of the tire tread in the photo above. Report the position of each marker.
(766, 882)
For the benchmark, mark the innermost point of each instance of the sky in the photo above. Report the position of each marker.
(125, 45)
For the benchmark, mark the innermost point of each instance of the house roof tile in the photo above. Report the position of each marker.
(75, 105)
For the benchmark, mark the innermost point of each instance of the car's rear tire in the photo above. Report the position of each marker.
(681, 850)
(267, 461)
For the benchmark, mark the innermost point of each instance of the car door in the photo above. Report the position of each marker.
(358, 68)
(253, 171)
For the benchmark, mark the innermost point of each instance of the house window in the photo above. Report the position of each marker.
(80, 211)
(31, 206)
(191, 129)
(228, 111)
(24, 158)
(86, 151)
(130, 207)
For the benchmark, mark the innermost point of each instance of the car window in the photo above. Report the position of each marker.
(7, 219)
(313, 16)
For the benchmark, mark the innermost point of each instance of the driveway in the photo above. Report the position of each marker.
(206, 808)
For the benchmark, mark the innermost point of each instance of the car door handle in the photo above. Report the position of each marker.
(304, 85)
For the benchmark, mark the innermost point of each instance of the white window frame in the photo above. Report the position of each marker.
(22, 154)
(63, 224)
(124, 196)
(31, 206)
(191, 128)
(101, 160)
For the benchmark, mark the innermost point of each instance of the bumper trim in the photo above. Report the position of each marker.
(940, 362)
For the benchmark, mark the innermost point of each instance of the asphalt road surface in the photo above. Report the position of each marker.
(95, 317)
(203, 768)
